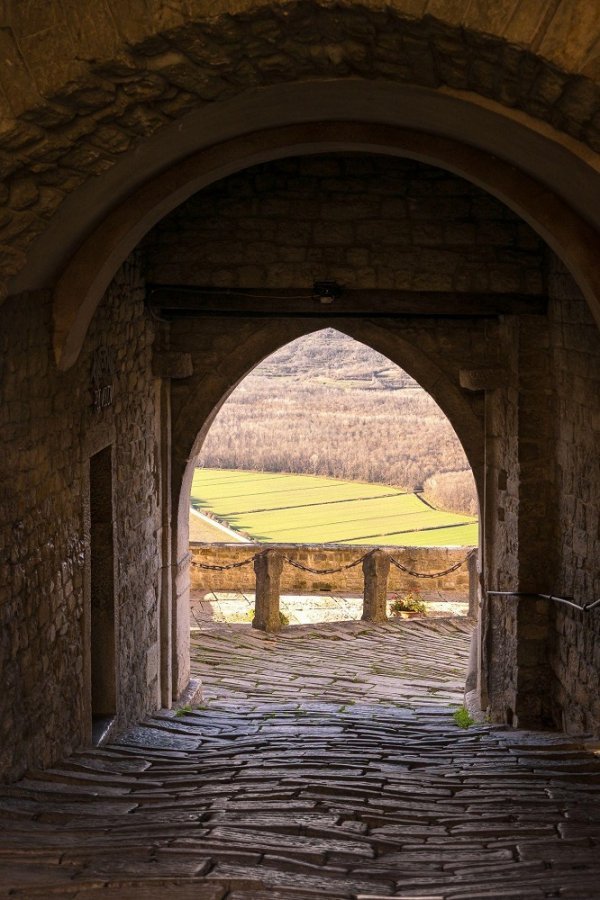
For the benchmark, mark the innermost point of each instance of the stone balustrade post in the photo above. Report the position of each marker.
(473, 586)
(376, 569)
(268, 567)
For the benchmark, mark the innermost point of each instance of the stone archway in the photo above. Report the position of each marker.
(465, 365)
(197, 400)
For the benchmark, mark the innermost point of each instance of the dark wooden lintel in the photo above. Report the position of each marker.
(174, 301)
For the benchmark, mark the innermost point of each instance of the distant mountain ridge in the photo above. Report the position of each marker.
(328, 355)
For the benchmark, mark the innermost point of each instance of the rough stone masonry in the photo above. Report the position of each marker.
(435, 148)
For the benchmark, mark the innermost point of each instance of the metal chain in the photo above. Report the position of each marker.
(352, 565)
(453, 568)
(312, 571)
(237, 565)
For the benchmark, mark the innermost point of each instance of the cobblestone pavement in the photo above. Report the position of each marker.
(324, 763)
(302, 609)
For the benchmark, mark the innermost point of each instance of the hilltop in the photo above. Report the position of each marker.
(330, 358)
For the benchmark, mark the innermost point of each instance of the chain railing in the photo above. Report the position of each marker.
(376, 565)
(334, 571)
(212, 567)
(448, 571)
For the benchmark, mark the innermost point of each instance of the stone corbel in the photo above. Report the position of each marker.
(168, 364)
(487, 378)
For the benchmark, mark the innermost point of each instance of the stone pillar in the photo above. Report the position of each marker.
(268, 567)
(165, 542)
(538, 531)
(376, 568)
(473, 586)
(174, 603)
(521, 682)
(533, 681)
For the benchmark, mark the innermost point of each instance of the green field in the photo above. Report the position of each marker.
(306, 509)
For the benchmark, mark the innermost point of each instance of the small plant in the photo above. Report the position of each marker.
(240, 618)
(462, 717)
(183, 711)
(410, 602)
(283, 619)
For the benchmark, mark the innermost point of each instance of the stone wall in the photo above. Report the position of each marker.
(418, 559)
(49, 430)
(369, 221)
(576, 360)
(542, 658)
(520, 526)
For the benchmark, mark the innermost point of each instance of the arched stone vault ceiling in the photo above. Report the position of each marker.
(84, 281)
(567, 166)
(85, 84)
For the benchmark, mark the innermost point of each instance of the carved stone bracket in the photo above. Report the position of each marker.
(167, 364)
(484, 379)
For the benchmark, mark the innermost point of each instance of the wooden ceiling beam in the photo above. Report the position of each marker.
(178, 301)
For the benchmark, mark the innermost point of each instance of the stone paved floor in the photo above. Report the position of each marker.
(302, 609)
(325, 763)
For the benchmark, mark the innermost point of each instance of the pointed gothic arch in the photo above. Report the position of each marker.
(196, 409)
(199, 399)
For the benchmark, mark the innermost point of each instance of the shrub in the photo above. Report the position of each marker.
(410, 602)
(463, 718)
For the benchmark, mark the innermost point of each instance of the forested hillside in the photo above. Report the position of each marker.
(327, 405)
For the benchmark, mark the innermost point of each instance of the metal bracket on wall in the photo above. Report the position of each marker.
(585, 607)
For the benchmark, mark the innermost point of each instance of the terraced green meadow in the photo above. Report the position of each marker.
(283, 508)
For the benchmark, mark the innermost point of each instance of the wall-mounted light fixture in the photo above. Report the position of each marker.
(327, 291)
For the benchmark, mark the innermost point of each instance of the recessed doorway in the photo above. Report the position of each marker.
(102, 595)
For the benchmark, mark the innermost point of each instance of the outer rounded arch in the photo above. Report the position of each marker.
(84, 281)
(125, 94)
